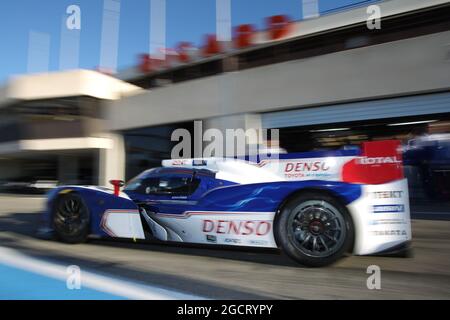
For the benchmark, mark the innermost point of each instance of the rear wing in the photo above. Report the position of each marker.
(376, 162)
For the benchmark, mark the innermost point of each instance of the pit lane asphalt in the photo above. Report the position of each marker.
(233, 273)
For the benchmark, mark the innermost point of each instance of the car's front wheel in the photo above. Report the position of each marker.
(314, 229)
(71, 218)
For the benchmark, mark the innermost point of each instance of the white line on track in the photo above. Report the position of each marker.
(91, 280)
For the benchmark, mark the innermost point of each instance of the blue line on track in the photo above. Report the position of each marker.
(17, 284)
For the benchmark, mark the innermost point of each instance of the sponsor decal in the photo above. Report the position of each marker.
(377, 160)
(387, 194)
(242, 228)
(306, 166)
(305, 169)
(389, 233)
(234, 241)
(179, 162)
(388, 208)
(317, 175)
(386, 222)
(258, 242)
(211, 238)
(380, 162)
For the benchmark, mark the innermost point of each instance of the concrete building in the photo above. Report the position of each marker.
(332, 82)
(408, 56)
(52, 127)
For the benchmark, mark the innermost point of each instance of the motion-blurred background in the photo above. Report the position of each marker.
(323, 72)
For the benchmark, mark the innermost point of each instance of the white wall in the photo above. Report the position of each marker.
(70, 83)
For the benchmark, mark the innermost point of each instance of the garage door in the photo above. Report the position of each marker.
(377, 109)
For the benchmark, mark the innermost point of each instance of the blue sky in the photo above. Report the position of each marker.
(187, 20)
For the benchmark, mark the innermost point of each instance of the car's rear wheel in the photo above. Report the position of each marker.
(314, 229)
(71, 219)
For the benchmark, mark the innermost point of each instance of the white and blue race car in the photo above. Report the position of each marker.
(314, 206)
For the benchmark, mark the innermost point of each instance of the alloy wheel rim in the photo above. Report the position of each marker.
(316, 228)
(70, 216)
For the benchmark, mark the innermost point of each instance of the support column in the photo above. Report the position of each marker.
(244, 122)
(111, 161)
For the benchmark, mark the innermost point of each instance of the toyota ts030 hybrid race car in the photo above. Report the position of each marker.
(314, 206)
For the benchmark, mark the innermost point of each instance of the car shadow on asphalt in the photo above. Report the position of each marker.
(248, 254)
(20, 223)
(27, 224)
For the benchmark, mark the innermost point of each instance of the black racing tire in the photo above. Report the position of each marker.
(71, 219)
(314, 229)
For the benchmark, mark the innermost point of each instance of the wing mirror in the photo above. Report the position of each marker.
(117, 185)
